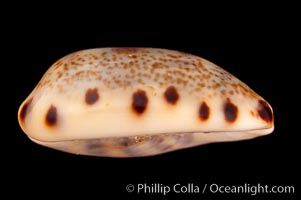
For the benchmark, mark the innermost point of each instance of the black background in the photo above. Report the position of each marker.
(255, 46)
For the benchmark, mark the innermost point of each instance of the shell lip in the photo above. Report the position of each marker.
(255, 132)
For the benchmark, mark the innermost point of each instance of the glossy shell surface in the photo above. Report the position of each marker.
(128, 102)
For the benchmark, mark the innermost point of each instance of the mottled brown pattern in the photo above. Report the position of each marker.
(113, 68)
(125, 50)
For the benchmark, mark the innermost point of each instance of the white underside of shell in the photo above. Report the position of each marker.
(140, 146)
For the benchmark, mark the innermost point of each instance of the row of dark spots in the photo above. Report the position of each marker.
(51, 115)
(140, 99)
(171, 95)
(230, 111)
(263, 109)
(91, 97)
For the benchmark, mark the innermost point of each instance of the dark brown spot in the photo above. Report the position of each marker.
(204, 111)
(139, 101)
(171, 95)
(91, 96)
(24, 109)
(230, 111)
(265, 111)
(51, 116)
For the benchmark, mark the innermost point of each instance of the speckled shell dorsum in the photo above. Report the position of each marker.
(126, 102)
